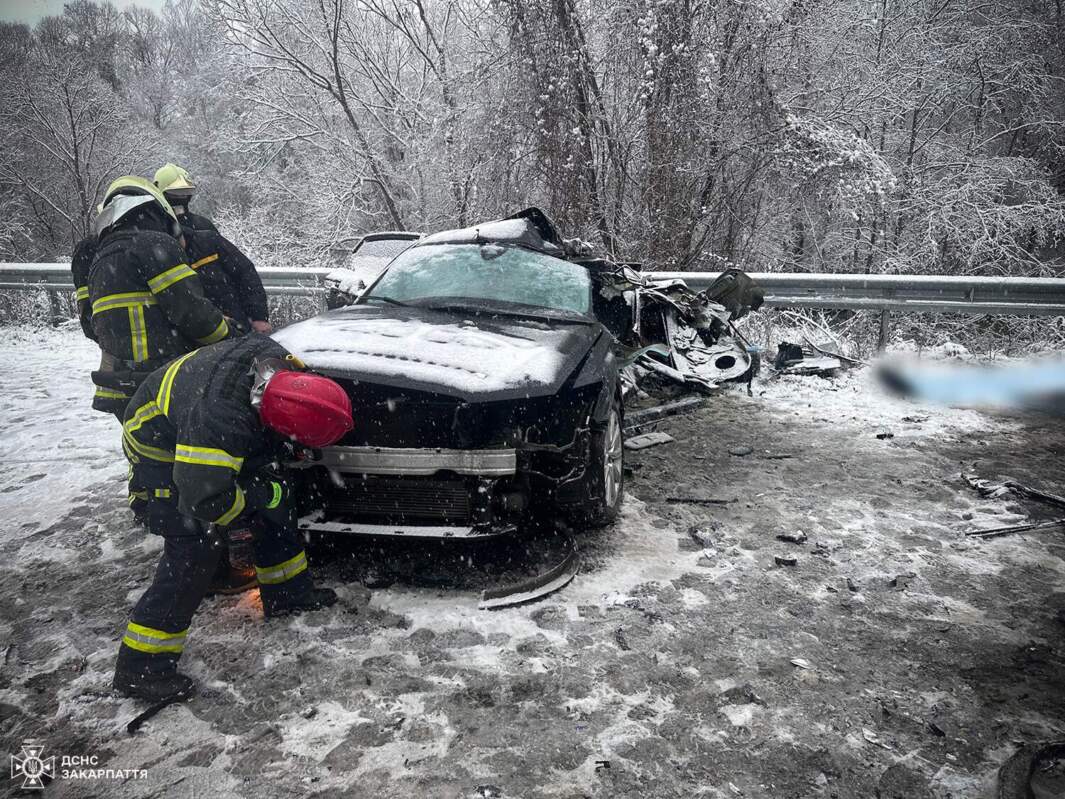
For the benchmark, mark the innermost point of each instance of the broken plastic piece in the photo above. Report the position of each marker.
(648, 440)
(135, 724)
(532, 589)
(634, 419)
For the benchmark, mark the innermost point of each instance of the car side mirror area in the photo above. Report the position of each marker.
(342, 288)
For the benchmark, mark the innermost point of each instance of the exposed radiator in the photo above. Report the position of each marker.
(402, 500)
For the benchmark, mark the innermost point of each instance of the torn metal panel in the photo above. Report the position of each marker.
(710, 364)
(690, 328)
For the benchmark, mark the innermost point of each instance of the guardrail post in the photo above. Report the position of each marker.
(885, 330)
(53, 306)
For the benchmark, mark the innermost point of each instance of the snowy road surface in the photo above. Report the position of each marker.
(896, 658)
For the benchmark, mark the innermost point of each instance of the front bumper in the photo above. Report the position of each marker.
(419, 462)
(413, 492)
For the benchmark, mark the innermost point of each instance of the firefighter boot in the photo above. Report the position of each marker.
(312, 599)
(154, 687)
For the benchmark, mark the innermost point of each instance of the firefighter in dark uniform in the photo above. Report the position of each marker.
(228, 275)
(147, 302)
(204, 436)
(176, 183)
(229, 279)
(80, 264)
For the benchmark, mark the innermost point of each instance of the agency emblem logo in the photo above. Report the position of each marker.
(31, 766)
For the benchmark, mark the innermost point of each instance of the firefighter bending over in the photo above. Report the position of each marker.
(204, 436)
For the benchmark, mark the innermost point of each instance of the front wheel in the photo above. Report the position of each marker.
(604, 476)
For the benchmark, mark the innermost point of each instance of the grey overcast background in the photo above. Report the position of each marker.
(30, 11)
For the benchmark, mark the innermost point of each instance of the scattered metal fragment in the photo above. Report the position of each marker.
(802, 663)
(823, 350)
(743, 695)
(135, 724)
(996, 532)
(534, 588)
(936, 730)
(786, 560)
(648, 440)
(740, 451)
(873, 738)
(883, 436)
(619, 637)
(635, 419)
(852, 586)
(901, 582)
(792, 361)
(825, 366)
(988, 489)
(700, 536)
(798, 537)
(1033, 493)
(697, 501)
(985, 488)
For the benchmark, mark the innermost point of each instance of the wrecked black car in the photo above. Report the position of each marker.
(488, 368)
(484, 385)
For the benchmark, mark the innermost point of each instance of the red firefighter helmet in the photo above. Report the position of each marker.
(312, 409)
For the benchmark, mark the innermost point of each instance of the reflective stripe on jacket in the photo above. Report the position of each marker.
(146, 302)
(191, 428)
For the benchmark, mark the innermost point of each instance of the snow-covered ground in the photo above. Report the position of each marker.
(683, 654)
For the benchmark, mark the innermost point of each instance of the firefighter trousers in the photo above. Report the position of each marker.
(155, 636)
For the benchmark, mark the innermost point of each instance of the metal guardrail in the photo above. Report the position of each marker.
(56, 277)
(1042, 296)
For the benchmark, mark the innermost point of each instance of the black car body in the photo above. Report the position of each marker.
(484, 379)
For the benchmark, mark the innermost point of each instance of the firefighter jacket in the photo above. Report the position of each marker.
(192, 435)
(228, 277)
(80, 263)
(147, 303)
(195, 221)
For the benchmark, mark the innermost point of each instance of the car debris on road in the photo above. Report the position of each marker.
(988, 489)
(648, 440)
(535, 588)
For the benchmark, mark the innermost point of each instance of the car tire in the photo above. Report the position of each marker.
(604, 477)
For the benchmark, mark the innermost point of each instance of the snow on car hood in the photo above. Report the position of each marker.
(476, 358)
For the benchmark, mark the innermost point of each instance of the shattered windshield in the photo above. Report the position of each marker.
(485, 274)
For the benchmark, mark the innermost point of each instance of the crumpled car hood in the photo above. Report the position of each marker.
(473, 357)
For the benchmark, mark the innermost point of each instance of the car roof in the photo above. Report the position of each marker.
(530, 228)
(405, 235)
